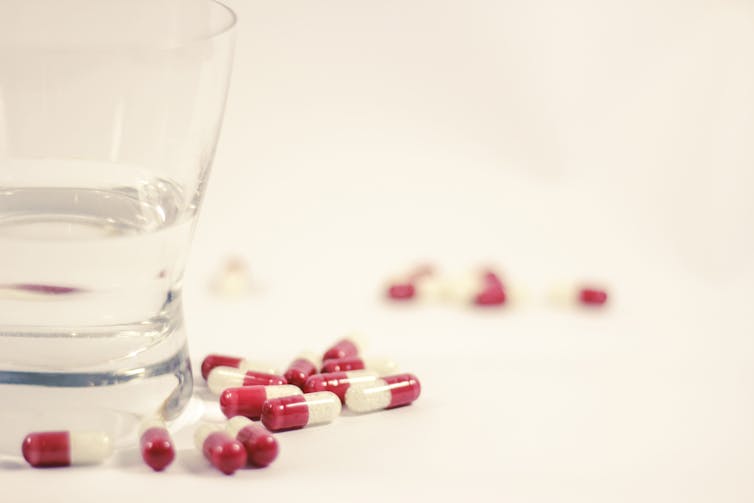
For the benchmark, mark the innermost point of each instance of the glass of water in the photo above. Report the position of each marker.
(109, 116)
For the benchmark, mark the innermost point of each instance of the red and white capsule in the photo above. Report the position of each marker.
(301, 367)
(406, 286)
(585, 295)
(247, 401)
(261, 447)
(385, 393)
(383, 366)
(352, 345)
(228, 377)
(298, 411)
(215, 360)
(156, 445)
(338, 382)
(66, 448)
(222, 451)
(482, 288)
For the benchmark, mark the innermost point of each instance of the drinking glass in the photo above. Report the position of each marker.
(109, 116)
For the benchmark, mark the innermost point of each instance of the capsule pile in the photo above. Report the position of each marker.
(257, 399)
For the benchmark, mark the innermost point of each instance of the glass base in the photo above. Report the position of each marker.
(111, 394)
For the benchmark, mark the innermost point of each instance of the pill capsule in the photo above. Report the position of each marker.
(384, 393)
(155, 443)
(261, 447)
(215, 360)
(349, 346)
(338, 382)
(228, 377)
(64, 448)
(589, 296)
(406, 286)
(247, 401)
(300, 368)
(221, 450)
(383, 366)
(291, 412)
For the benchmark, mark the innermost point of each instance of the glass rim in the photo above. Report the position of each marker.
(226, 25)
(231, 23)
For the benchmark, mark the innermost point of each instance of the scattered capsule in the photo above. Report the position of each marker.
(589, 296)
(157, 449)
(482, 288)
(300, 368)
(383, 366)
(384, 393)
(247, 401)
(338, 382)
(261, 447)
(64, 448)
(349, 346)
(229, 377)
(406, 286)
(220, 449)
(233, 280)
(215, 360)
(297, 411)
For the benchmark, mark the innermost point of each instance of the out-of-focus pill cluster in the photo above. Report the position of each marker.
(482, 288)
(257, 399)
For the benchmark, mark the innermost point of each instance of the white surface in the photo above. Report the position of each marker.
(562, 140)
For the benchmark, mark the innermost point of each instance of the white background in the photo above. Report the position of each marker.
(561, 141)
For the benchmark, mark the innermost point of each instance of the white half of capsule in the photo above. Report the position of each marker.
(462, 288)
(221, 378)
(369, 396)
(89, 447)
(258, 366)
(324, 406)
(431, 288)
(561, 294)
(382, 366)
(360, 376)
(278, 390)
(236, 424)
(203, 431)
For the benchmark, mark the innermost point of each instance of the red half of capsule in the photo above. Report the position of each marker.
(341, 349)
(46, 449)
(285, 413)
(335, 382)
(592, 296)
(404, 389)
(245, 401)
(225, 454)
(492, 279)
(298, 371)
(491, 296)
(261, 447)
(157, 448)
(401, 291)
(343, 364)
(212, 361)
(253, 378)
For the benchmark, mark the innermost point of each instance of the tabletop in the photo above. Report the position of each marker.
(595, 142)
